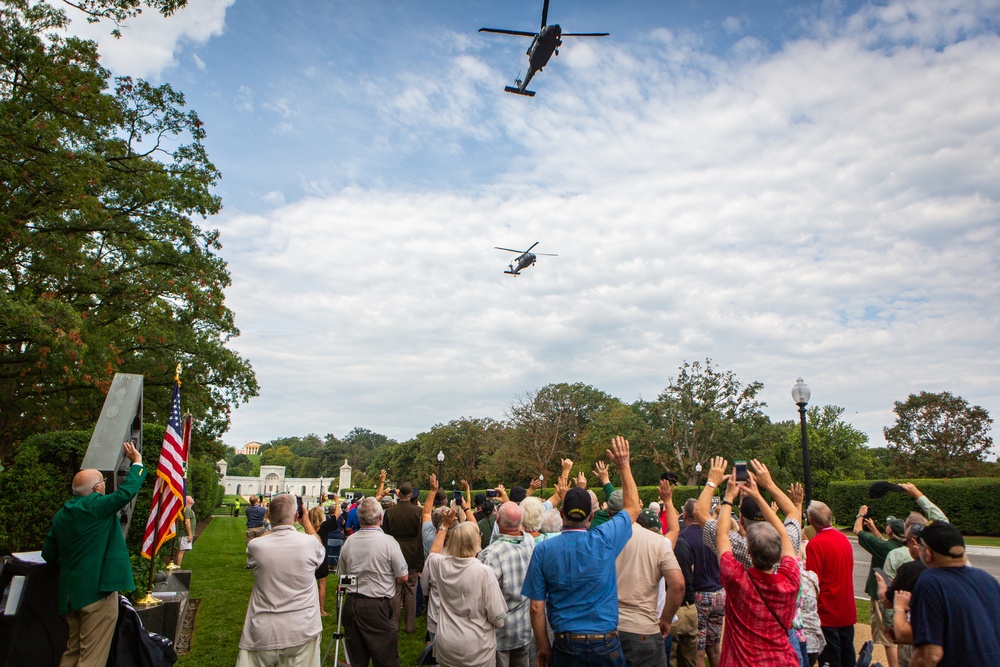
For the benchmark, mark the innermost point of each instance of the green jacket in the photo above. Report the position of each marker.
(87, 544)
(602, 516)
(879, 549)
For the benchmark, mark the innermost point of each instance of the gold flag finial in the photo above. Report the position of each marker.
(177, 373)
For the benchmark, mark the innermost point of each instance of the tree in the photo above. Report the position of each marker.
(549, 424)
(837, 451)
(940, 435)
(619, 419)
(102, 267)
(703, 412)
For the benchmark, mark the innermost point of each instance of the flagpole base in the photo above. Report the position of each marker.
(171, 566)
(148, 601)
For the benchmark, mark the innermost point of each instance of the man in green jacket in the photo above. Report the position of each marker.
(87, 544)
(872, 542)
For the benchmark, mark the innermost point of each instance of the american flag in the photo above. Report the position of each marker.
(168, 492)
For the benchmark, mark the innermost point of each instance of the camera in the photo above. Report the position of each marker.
(669, 477)
(348, 580)
(741, 472)
(491, 493)
(458, 494)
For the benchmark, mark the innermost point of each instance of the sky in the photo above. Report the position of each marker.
(788, 188)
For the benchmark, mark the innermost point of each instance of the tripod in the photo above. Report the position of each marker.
(346, 584)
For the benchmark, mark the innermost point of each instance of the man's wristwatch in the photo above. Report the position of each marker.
(711, 484)
(726, 502)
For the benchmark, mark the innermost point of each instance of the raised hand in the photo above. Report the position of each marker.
(601, 470)
(433, 483)
(796, 494)
(567, 465)
(620, 452)
(764, 480)
(717, 470)
(581, 480)
(666, 491)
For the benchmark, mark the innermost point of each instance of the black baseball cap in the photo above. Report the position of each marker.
(943, 538)
(576, 504)
(750, 510)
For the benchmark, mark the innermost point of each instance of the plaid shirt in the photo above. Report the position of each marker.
(739, 543)
(508, 556)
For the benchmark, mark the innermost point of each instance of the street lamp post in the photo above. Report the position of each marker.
(440, 468)
(801, 394)
(697, 469)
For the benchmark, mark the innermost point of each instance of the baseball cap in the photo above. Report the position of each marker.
(879, 489)
(576, 504)
(358, 496)
(943, 538)
(897, 526)
(415, 494)
(648, 519)
(750, 510)
(616, 501)
(405, 490)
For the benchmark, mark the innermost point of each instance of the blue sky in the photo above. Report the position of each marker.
(789, 188)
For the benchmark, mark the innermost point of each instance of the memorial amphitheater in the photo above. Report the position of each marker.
(272, 481)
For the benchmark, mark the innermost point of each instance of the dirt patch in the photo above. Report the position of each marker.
(183, 646)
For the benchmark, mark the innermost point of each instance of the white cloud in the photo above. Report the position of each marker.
(149, 43)
(829, 209)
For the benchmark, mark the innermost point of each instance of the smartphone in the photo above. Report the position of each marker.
(458, 495)
(741, 472)
(298, 500)
(491, 493)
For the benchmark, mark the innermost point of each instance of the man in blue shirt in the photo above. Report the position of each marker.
(573, 578)
(955, 609)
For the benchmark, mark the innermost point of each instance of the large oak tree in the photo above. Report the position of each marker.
(103, 266)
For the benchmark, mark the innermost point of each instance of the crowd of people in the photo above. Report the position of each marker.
(511, 579)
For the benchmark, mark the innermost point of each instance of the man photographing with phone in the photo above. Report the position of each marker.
(282, 624)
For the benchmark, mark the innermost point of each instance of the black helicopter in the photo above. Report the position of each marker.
(525, 259)
(544, 43)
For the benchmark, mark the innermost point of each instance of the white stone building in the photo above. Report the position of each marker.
(272, 480)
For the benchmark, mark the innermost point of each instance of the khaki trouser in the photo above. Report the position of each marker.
(91, 630)
(684, 652)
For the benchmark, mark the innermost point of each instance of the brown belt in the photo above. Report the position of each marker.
(569, 636)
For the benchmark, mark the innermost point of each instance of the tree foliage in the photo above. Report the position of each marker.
(704, 411)
(102, 267)
(939, 435)
(837, 450)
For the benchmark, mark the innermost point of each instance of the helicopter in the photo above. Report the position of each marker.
(525, 259)
(544, 44)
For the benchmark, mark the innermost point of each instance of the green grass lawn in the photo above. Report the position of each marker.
(220, 580)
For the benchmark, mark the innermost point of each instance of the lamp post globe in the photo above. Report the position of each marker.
(801, 394)
(440, 458)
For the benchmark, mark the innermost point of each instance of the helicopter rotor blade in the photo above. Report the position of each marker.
(500, 31)
(496, 247)
(546, 254)
(545, 13)
(532, 246)
(585, 34)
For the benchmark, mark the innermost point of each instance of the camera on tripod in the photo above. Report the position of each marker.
(348, 581)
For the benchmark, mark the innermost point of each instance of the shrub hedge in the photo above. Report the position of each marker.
(968, 502)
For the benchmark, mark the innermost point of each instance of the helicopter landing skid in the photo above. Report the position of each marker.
(518, 91)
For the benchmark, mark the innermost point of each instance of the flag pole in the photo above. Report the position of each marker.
(149, 600)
